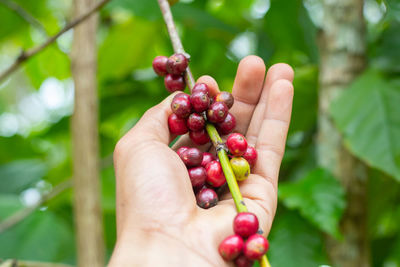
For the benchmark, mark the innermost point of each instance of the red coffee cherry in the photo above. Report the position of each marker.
(206, 198)
(242, 261)
(217, 112)
(174, 83)
(200, 137)
(240, 167)
(181, 106)
(160, 65)
(181, 149)
(245, 224)
(196, 122)
(177, 64)
(255, 247)
(227, 125)
(215, 175)
(201, 87)
(200, 101)
(192, 157)
(207, 158)
(231, 247)
(250, 155)
(225, 97)
(177, 125)
(197, 176)
(184, 95)
(236, 144)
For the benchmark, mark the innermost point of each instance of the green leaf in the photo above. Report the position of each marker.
(304, 115)
(51, 62)
(42, 236)
(294, 242)
(147, 9)
(367, 114)
(121, 52)
(319, 197)
(291, 33)
(20, 174)
(387, 53)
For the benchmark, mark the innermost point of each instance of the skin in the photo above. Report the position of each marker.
(158, 222)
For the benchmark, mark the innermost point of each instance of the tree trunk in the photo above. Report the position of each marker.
(88, 217)
(342, 57)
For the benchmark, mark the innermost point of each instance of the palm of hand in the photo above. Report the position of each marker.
(153, 188)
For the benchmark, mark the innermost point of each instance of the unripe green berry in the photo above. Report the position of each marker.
(241, 168)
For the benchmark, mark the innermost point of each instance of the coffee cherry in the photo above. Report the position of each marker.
(196, 122)
(255, 247)
(181, 106)
(174, 83)
(202, 87)
(177, 125)
(192, 157)
(227, 125)
(207, 158)
(245, 224)
(231, 247)
(240, 167)
(181, 149)
(200, 101)
(250, 155)
(215, 175)
(206, 198)
(242, 261)
(236, 144)
(177, 64)
(225, 97)
(183, 95)
(197, 176)
(200, 137)
(217, 112)
(160, 65)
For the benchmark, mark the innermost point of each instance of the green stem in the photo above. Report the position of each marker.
(226, 167)
(212, 132)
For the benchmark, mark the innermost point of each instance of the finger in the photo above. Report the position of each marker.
(153, 126)
(211, 83)
(247, 89)
(272, 137)
(184, 140)
(276, 72)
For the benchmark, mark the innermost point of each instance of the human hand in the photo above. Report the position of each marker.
(158, 221)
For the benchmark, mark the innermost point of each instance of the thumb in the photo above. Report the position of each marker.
(153, 126)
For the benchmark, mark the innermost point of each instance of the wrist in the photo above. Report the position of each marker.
(142, 248)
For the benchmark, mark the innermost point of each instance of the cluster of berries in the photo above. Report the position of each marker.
(246, 245)
(205, 171)
(191, 113)
(205, 174)
(172, 69)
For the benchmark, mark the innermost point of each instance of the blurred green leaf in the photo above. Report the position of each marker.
(294, 242)
(387, 55)
(319, 197)
(51, 62)
(121, 52)
(305, 102)
(367, 114)
(20, 174)
(9, 203)
(147, 9)
(290, 32)
(42, 236)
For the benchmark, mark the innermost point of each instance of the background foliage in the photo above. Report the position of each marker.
(37, 100)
